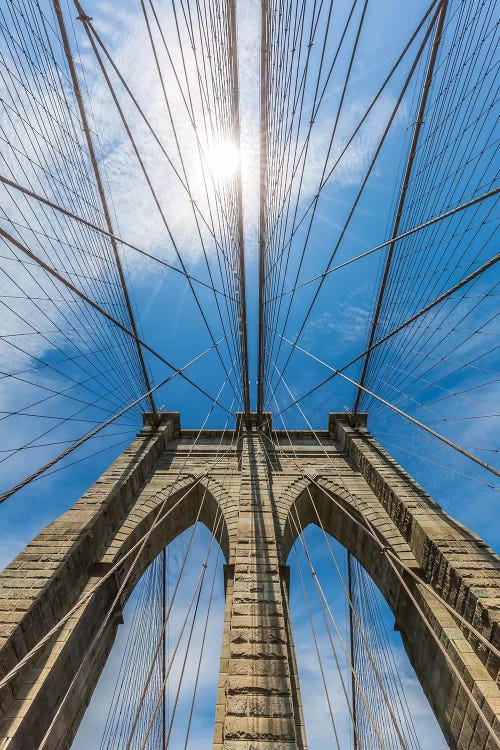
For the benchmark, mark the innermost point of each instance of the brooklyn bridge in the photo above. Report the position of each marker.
(249, 378)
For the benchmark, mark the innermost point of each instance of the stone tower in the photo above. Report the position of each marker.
(257, 498)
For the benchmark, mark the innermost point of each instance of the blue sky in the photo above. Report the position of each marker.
(438, 390)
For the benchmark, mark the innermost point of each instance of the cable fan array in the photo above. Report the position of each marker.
(442, 368)
(122, 288)
(65, 367)
(72, 345)
(159, 644)
(422, 357)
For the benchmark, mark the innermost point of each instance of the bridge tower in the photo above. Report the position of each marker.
(436, 575)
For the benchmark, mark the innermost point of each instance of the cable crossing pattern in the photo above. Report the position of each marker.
(258, 213)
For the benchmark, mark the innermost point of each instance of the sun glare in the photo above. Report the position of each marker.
(223, 160)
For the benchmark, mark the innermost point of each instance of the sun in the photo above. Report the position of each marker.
(223, 160)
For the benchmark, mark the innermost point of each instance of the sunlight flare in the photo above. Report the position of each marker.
(223, 160)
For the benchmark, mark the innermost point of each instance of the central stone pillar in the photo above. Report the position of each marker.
(258, 702)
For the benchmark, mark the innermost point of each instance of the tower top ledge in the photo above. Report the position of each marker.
(254, 420)
(159, 418)
(358, 419)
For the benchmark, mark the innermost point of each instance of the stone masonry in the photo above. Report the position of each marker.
(258, 697)
(347, 477)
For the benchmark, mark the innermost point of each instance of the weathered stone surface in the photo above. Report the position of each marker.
(259, 728)
(259, 694)
(258, 699)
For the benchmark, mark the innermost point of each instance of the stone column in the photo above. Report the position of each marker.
(462, 569)
(258, 701)
(46, 579)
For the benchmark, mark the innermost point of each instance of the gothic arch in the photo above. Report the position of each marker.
(336, 508)
(186, 497)
(80, 548)
(337, 518)
(259, 692)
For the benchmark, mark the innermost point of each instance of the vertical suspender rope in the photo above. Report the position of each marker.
(164, 643)
(399, 212)
(351, 645)
(100, 188)
(239, 197)
(263, 198)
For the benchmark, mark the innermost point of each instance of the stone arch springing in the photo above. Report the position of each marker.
(343, 527)
(134, 669)
(334, 505)
(56, 673)
(207, 495)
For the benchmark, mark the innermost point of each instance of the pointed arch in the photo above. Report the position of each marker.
(327, 504)
(69, 666)
(186, 500)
